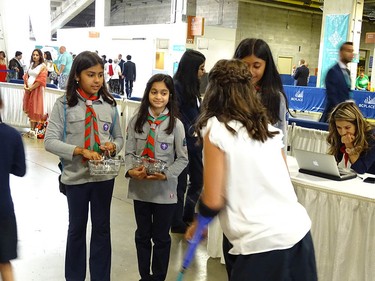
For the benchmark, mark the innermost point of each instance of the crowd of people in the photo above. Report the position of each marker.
(119, 75)
(43, 69)
(199, 141)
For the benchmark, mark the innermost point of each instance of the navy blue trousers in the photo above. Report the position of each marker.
(152, 238)
(97, 195)
(128, 88)
(294, 264)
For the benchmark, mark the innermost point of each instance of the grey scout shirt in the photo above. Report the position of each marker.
(169, 148)
(75, 171)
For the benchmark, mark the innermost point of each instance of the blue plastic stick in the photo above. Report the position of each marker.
(193, 243)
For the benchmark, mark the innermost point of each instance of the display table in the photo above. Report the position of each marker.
(12, 95)
(306, 139)
(343, 225)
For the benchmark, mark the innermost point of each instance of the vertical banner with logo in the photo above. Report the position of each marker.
(335, 33)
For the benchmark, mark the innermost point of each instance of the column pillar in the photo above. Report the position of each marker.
(102, 13)
(40, 20)
(342, 21)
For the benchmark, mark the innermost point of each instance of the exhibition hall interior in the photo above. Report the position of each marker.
(152, 37)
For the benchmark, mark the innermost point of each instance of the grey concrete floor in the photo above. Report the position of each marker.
(42, 219)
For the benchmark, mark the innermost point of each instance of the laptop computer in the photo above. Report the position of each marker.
(321, 165)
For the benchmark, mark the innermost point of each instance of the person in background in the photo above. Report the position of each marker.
(3, 67)
(155, 132)
(12, 161)
(104, 58)
(338, 81)
(268, 229)
(16, 65)
(109, 73)
(35, 80)
(52, 75)
(351, 138)
(301, 74)
(85, 125)
(267, 82)
(362, 81)
(115, 79)
(121, 77)
(187, 82)
(129, 73)
(64, 64)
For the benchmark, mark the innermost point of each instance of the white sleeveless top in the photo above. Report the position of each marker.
(261, 210)
(33, 73)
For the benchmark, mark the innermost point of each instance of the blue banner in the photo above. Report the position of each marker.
(366, 103)
(335, 33)
(313, 99)
(305, 98)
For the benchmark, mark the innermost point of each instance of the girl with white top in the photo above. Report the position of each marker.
(246, 182)
(52, 75)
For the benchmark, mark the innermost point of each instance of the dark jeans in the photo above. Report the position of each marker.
(114, 86)
(97, 195)
(296, 263)
(128, 87)
(152, 237)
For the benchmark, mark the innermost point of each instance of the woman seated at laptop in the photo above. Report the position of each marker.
(352, 138)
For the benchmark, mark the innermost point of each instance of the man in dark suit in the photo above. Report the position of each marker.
(301, 74)
(129, 74)
(338, 81)
(121, 78)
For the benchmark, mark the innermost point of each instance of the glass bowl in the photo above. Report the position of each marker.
(109, 167)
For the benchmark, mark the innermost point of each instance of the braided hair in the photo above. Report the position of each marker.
(231, 96)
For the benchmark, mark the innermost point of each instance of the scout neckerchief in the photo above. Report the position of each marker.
(149, 149)
(90, 120)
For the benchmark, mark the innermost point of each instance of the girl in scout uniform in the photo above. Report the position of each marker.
(84, 124)
(154, 132)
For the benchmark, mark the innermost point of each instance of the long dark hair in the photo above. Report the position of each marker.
(84, 61)
(270, 84)
(231, 96)
(48, 55)
(187, 75)
(41, 57)
(145, 103)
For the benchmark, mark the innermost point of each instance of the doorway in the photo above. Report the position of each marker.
(284, 64)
